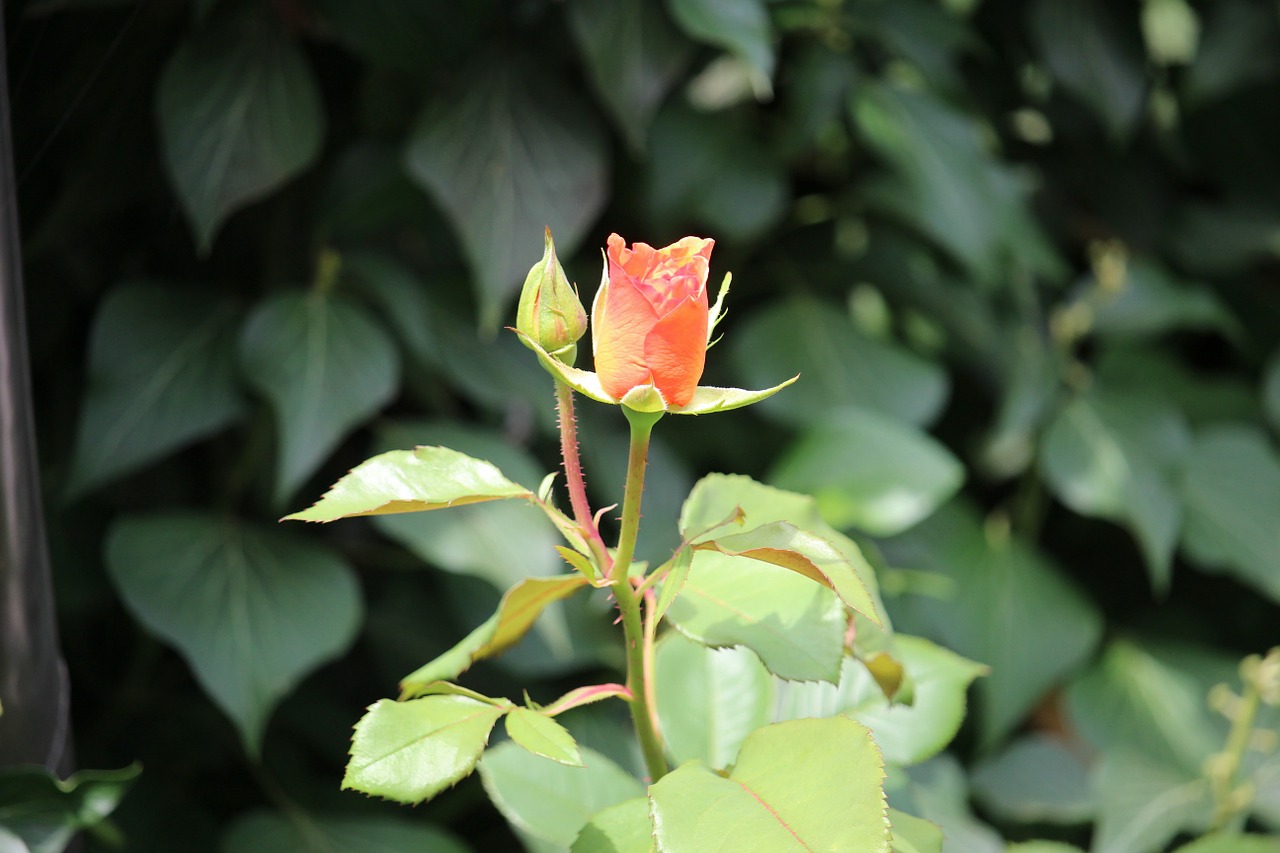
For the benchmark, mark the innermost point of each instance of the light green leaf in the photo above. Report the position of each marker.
(161, 375)
(325, 366)
(1096, 53)
(707, 399)
(411, 751)
(796, 627)
(1004, 592)
(1037, 779)
(239, 116)
(869, 471)
(1231, 489)
(505, 155)
(1115, 457)
(912, 834)
(633, 57)
(43, 813)
(709, 700)
(543, 736)
(798, 785)
(732, 504)
(252, 610)
(622, 828)
(276, 832)
(841, 366)
(551, 802)
(781, 544)
(681, 562)
(424, 478)
(518, 610)
(1143, 804)
(740, 26)
(906, 733)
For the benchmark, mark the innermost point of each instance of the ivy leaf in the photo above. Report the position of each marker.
(633, 56)
(870, 471)
(505, 159)
(417, 480)
(1231, 489)
(740, 26)
(252, 610)
(325, 365)
(43, 813)
(239, 116)
(798, 785)
(161, 375)
(1115, 457)
(518, 610)
(1004, 592)
(411, 751)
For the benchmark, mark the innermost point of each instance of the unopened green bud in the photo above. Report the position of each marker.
(550, 311)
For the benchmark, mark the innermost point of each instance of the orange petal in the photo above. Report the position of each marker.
(676, 350)
(622, 320)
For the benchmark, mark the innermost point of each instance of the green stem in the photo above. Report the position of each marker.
(1227, 806)
(638, 640)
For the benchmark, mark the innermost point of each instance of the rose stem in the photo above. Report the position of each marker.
(576, 483)
(629, 603)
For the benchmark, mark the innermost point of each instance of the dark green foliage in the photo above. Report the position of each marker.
(1023, 252)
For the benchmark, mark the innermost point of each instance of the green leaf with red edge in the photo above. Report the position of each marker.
(620, 828)
(797, 786)
(808, 555)
(543, 736)
(424, 478)
(410, 751)
(518, 610)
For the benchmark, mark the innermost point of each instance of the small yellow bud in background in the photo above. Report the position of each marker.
(550, 311)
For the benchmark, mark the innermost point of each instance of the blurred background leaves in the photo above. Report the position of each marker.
(1024, 255)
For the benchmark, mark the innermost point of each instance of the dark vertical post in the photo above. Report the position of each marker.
(33, 679)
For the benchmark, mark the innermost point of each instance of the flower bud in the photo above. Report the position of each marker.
(550, 311)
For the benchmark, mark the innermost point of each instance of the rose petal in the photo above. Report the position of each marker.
(675, 350)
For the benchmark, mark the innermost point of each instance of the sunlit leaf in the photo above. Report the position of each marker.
(911, 834)
(795, 626)
(798, 785)
(252, 610)
(622, 828)
(542, 736)
(709, 700)
(425, 478)
(239, 116)
(410, 751)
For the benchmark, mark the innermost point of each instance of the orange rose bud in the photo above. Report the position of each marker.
(651, 319)
(550, 311)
